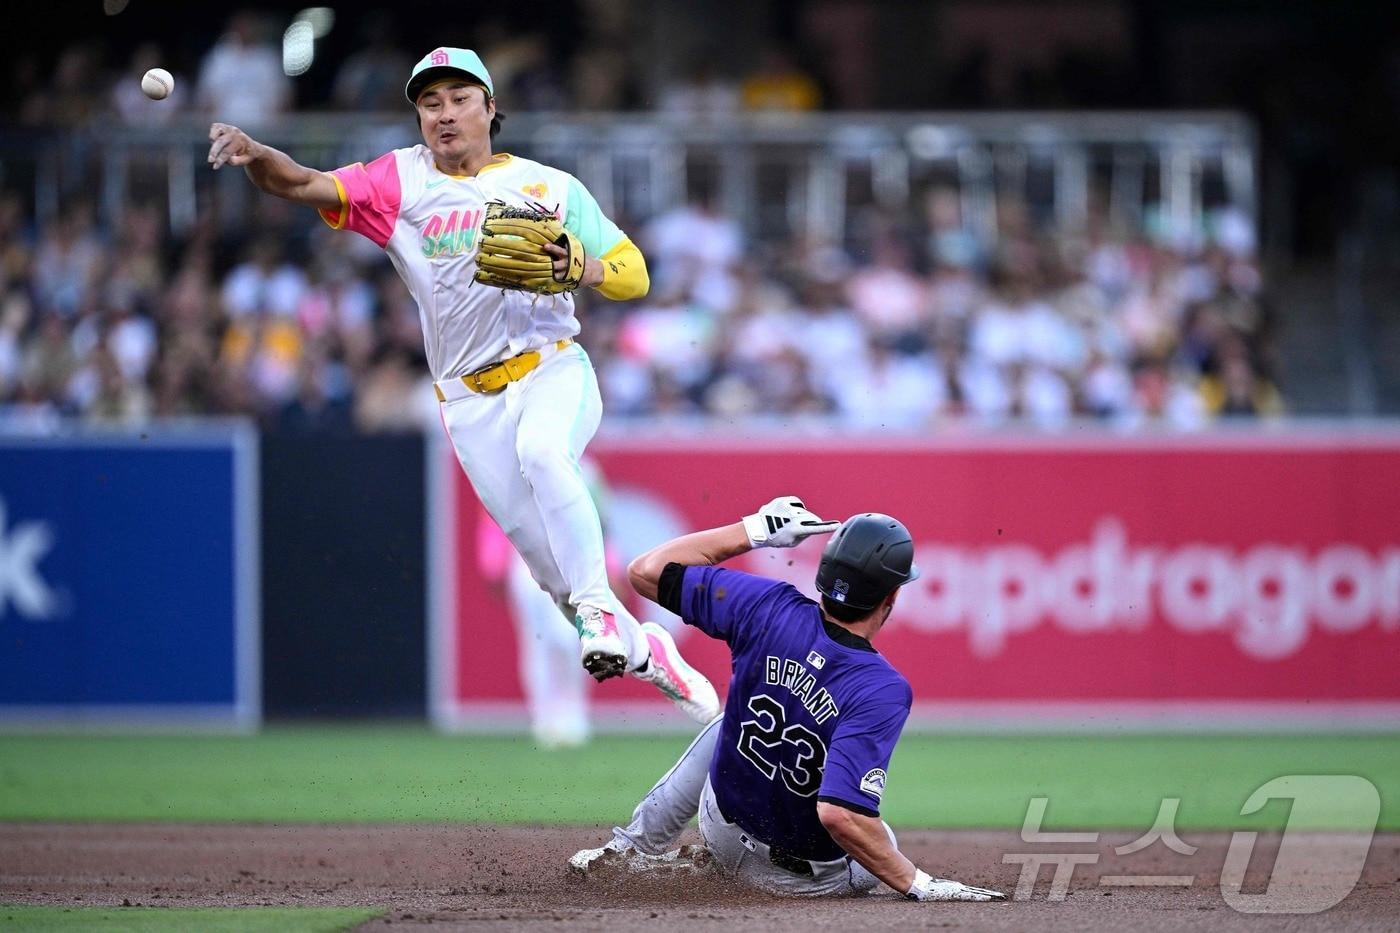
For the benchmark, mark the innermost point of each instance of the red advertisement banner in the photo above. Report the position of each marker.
(1252, 574)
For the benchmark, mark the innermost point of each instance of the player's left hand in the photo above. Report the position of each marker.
(592, 268)
(784, 522)
(519, 249)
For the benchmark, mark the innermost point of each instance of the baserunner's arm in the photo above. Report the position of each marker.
(784, 522)
(272, 170)
(698, 549)
(866, 840)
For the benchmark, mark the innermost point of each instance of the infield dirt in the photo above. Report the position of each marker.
(472, 877)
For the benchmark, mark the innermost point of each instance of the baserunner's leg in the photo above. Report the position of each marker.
(673, 801)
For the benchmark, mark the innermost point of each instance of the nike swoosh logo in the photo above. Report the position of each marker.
(432, 185)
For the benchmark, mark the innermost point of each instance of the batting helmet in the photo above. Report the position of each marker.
(867, 558)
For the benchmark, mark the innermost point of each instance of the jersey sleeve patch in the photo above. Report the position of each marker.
(874, 783)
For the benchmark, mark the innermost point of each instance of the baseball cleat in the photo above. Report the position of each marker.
(667, 671)
(604, 654)
(941, 889)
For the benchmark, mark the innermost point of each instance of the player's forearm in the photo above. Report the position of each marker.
(622, 273)
(866, 840)
(698, 549)
(277, 173)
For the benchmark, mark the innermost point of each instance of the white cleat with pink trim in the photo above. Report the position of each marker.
(667, 671)
(604, 654)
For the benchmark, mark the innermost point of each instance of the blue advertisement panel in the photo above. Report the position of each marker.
(128, 591)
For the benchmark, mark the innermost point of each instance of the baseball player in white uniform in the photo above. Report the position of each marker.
(519, 397)
(555, 687)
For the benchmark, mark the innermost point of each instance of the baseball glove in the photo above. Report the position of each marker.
(512, 251)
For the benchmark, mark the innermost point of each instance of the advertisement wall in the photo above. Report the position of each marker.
(1089, 581)
(128, 579)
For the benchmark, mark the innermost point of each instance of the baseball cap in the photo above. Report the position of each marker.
(445, 63)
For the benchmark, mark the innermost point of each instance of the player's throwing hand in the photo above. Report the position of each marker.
(230, 146)
(784, 522)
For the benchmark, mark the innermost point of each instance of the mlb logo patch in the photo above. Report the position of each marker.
(839, 589)
(874, 783)
(816, 660)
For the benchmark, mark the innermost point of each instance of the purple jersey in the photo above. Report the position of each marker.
(813, 711)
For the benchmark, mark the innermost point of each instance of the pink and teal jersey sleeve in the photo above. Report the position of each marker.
(370, 196)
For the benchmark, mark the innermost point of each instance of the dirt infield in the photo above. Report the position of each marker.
(483, 877)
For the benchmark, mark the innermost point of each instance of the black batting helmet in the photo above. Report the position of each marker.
(867, 558)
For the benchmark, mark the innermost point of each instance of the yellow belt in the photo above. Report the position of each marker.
(497, 376)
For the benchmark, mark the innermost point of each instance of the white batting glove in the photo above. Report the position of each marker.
(928, 888)
(784, 522)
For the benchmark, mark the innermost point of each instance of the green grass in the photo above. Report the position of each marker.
(403, 774)
(204, 919)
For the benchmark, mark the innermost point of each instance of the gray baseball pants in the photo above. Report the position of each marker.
(684, 791)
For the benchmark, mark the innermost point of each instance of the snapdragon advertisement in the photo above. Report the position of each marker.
(1217, 580)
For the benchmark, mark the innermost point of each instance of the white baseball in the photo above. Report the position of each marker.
(157, 84)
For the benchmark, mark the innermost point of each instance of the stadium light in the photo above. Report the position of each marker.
(321, 18)
(299, 41)
(298, 48)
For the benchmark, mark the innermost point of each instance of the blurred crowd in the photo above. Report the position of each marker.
(242, 78)
(928, 325)
(932, 324)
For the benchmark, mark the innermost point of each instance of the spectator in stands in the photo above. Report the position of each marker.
(67, 261)
(884, 389)
(598, 79)
(15, 312)
(372, 77)
(888, 296)
(1161, 399)
(701, 95)
(393, 395)
(264, 283)
(1235, 389)
(65, 97)
(241, 78)
(778, 83)
(697, 251)
(524, 68)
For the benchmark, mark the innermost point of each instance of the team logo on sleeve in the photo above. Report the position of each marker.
(536, 191)
(874, 783)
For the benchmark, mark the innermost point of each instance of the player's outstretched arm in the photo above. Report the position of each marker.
(698, 549)
(272, 170)
(784, 522)
(866, 840)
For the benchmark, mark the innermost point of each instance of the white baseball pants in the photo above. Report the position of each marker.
(685, 791)
(520, 448)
